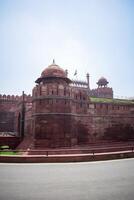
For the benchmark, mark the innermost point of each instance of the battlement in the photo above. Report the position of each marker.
(15, 98)
(27, 98)
(78, 83)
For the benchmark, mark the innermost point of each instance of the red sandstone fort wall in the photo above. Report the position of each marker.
(88, 122)
(10, 107)
(111, 120)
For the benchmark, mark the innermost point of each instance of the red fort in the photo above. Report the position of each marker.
(64, 113)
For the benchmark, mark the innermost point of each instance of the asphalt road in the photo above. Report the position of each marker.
(107, 180)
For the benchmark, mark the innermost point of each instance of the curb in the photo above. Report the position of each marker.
(65, 158)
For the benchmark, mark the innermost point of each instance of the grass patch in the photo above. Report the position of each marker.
(106, 100)
(8, 153)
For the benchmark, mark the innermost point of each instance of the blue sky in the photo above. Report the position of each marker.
(95, 36)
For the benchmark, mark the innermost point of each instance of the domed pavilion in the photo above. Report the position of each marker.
(102, 82)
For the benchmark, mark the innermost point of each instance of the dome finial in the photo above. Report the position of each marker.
(53, 62)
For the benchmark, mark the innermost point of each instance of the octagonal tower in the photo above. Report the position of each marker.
(52, 108)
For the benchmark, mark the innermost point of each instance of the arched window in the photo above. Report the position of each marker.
(80, 95)
(19, 119)
(65, 91)
(47, 90)
(40, 91)
(57, 90)
(107, 106)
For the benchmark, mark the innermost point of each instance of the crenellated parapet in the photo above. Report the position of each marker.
(15, 98)
(9, 97)
(27, 98)
(78, 83)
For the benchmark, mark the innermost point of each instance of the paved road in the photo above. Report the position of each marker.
(107, 180)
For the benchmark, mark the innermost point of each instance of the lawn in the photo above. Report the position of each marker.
(106, 100)
(6, 151)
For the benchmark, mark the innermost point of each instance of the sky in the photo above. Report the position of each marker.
(94, 36)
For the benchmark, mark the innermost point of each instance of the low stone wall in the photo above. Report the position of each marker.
(65, 158)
